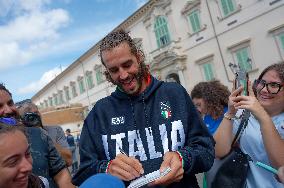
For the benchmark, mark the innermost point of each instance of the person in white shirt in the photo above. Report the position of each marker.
(263, 138)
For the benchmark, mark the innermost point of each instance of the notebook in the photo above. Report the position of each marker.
(148, 178)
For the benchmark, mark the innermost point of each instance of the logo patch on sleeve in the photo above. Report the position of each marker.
(166, 111)
(117, 120)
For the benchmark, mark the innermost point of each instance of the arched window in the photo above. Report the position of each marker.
(161, 31)
(173, 78)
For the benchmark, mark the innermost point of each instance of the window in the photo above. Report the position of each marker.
(67, 95)
(207, 67)
(243, 58)
(208, 71)
(281, 41)
(161, 31)
(89, 79)
(99, 74)
(41, 105)
(228, 7)
(50, 101)
(61, 100)
(45, 103)
(81, 86)
(73, 89)
(278, 35)
(194, 19)
(55, 99)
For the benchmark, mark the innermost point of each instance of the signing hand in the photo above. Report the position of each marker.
(125, 168)
(172, 160)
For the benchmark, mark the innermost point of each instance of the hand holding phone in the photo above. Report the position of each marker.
(242, 80)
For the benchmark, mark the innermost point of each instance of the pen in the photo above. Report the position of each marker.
(124, 153)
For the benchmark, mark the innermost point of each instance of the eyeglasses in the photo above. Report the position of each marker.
(272, 87)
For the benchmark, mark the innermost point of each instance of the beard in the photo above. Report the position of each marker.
(139, 76)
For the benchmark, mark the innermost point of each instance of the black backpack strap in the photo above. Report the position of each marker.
(244, 122)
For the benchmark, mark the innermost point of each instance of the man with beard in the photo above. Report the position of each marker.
(144, 126)
(47, 162)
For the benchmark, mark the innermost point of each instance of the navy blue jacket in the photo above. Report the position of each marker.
(47, 162)
(161, 119)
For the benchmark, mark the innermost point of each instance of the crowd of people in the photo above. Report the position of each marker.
(145, 125)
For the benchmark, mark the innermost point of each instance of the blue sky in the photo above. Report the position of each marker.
(39, 38)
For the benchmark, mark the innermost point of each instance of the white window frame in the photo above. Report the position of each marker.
(73, 89)
(209, 59)
(237, 7)
(276, 32)
(89, 76)
(99, 70)
(60, 97)
(67, 93)
(199, 20)
(81, 84)
(190, 7)
(239, 46)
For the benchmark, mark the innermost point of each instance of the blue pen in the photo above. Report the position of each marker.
(262, 165)
(266, 167)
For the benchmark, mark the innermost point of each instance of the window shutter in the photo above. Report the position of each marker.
(282, 40)
(225, 7)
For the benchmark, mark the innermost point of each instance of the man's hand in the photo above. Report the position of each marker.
(172, 160)
(125, 168)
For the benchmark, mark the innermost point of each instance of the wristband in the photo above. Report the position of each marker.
(180, 158)
(108, 165)
(228, 117)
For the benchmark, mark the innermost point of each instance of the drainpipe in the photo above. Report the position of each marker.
(217, 40)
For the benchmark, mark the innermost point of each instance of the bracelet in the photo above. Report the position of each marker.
(180, 158)
(108, 165)
(228, 117)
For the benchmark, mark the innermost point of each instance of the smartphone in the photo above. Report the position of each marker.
(242, 80)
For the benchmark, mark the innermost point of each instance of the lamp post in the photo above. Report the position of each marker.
(233, 67)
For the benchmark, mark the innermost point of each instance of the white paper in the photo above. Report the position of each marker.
(139, 182)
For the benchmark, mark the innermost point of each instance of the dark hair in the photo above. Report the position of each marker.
(2, 87)
(68, 130)
(34, 181)
(116, 38)
(5, 128)
(23, 102)
(215, 96)
(277, 67)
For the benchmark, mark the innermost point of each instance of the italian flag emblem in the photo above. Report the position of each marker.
(166, 110)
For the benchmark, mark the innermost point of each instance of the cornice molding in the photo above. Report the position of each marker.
(189, 5)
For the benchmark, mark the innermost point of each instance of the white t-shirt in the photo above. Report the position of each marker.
(251, 143)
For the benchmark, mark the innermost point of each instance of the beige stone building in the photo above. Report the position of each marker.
(188, 41)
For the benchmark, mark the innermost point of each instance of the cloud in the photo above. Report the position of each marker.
(5, 7)
(45, 79)
(11, 52)
(30, 31)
